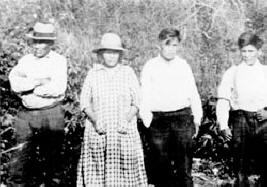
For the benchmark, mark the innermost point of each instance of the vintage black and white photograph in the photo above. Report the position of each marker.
(133, 93)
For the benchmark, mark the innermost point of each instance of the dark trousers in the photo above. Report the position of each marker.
(249, 146)
(170, 139)
(40, 160)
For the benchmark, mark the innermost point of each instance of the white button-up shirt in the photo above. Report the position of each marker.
(242, 87)
(29, 68)
(168, 86)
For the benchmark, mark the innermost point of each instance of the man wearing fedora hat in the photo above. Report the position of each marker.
(40, 80)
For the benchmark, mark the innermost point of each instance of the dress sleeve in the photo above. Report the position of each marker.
(86, 94)
(134, 88)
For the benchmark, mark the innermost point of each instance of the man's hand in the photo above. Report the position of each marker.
(42, 81)
(262, 114)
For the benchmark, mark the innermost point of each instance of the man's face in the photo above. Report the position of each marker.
(249, 54)
(169, 48)
(41, 48)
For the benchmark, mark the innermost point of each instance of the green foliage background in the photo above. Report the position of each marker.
(209, 33)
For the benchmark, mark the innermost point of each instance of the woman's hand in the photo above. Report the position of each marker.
(125, 122)
(123, 126)
(100, 127)
(97, 123)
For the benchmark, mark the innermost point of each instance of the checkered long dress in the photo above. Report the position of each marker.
(112, 159)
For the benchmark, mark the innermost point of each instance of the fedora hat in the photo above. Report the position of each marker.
(110, 41)
(42, 31)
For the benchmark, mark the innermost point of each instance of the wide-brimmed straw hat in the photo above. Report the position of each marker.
(42, 31)
(110, 41)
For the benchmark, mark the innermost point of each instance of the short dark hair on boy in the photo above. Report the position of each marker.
(169, 33)
(249, 38)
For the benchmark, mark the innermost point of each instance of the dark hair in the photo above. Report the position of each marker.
(248, 38)
(169, 33)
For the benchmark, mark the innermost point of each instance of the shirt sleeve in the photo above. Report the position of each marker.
(222, 113)
(145, 110)
(86, 94)
(226, 86)
(58, 84)
(134, 88)
(18, 79)
(196, 105)
(224, 98)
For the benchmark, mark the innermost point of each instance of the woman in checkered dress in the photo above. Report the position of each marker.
(112, 152)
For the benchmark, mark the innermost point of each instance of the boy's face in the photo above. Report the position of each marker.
(168, 48)
(249, 54)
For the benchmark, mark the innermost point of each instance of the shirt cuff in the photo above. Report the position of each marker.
(197, 120)
(224, 126)
(147, 118)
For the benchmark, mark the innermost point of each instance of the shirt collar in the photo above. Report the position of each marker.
(257, 64)
(99, 67)
(48, 55)
(164, 61)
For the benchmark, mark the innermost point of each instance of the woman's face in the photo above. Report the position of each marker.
(249, 54)
(110, 57)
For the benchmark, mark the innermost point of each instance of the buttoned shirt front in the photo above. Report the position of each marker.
(168, 86)
(242, 87)
(23, 76)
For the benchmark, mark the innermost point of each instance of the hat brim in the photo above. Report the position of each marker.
(30, 36)
(101, 49)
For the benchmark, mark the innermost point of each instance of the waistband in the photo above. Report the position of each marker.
(183, 111)
(44, 108)
(244, 113)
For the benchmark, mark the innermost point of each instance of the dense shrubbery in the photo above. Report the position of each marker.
(209, 29)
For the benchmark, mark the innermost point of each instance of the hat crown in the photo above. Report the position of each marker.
(111, 41)
(43, 28)
(42, 31)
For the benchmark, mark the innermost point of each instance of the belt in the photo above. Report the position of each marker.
(245, 113)
(183, 111)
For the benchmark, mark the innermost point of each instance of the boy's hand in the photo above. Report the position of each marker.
(227, 134)
(262, 114)
(196, 130)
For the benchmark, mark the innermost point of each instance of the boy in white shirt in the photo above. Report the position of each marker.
(243, 92)
(171, 109)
